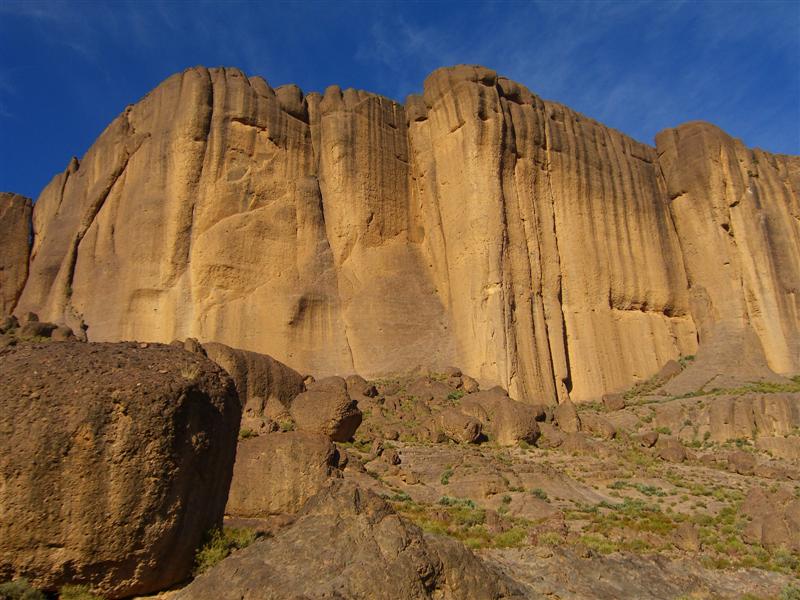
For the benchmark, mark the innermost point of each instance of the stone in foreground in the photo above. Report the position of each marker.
(348, 543)
(115, 460)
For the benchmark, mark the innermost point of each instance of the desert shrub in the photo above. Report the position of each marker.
(246, 434)
(77, 592)
(450, 501)
(19, 589)
(218, 544)
(511, 538)
(448, 473)
(539, 493)
(790, 592)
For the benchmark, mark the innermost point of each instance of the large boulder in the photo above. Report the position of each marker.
(349, 543)
(115, 459)
(773, 519)
(266, 386)
(459, 427)
(566, 416)
(277, 473)
(506, 421)
(327, 408)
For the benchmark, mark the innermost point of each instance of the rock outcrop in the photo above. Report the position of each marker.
(15, 234)
(115, 460)
(265, 386)
(475, 225)
(276, 473)
(328, 409)
(348, 543)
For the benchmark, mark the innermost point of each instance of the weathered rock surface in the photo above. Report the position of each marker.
(348, 543)
(114, 459)
(265, 386)
(15, 232)
(775, 519)
(475, 225)
(327, 408)
(507, 421)
(278, 472)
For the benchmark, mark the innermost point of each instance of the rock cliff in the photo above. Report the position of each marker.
(476, 225)
(15, 233)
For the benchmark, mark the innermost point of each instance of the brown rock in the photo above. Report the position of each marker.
(614, 401)
(8, 323)
(598, 426)
(566, 417)
(15, 231)
(265, 386)
(774, 519)
(459, 427)
(469, 385)
(670, 369)
(506, 421)
(647, 439)
(348, 543)
(62, 334)
(670, 449)
(742, 462)
(327, 408)
(115, 467)
(277, 473)
(36, 329)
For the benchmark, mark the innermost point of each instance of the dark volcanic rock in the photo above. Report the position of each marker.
(115, 459)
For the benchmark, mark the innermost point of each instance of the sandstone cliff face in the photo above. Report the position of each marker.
(475, 225)
(15, 231)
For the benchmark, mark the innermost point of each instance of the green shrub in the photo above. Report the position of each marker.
(456, 395)
(450, 501)
(246, 434)
(448, 473)
(218, 544)
(19, 589)
(77, 592)
(790, 592)
(539, 493)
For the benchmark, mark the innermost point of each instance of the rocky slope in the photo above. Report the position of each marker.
(475, 225)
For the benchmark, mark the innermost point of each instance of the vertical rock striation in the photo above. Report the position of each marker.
(15, 234)
(475, 225)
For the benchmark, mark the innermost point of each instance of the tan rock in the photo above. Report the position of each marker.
(506, 421)
(477, 225)
(265, 386)
(15, 231)
(278, 472)
(566, 417)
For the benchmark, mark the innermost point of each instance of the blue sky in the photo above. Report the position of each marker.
(68, 68)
